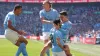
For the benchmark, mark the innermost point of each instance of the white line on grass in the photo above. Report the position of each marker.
(85, 51)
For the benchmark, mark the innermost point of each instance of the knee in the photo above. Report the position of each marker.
(67, 47)
(26, 42)
(17, 44)
(45, 47)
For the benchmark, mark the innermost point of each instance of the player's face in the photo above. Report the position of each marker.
(19, 11)
(57, 26)
(62, 17)
(46, 6)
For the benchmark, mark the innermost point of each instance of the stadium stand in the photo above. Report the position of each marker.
(84, 16)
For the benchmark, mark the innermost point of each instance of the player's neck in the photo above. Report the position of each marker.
(15, 13)
(57, 28)
(65, 21)
(49, 9)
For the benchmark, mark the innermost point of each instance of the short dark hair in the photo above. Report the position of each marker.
(17, 6)
(64, 13)
(56, 21)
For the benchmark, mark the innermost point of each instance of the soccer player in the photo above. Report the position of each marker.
(66, 26)
(57, 40)
(47, 15)
(14, 35)
(65, 29)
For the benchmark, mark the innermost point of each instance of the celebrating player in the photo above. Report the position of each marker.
(56, 39)
(47, 15)
(65, 29)
(14, 35)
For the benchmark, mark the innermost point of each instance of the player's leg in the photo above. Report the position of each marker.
(44, 50)
(20, 49)
(21, 39)
(54, 53)
(17, 40)
(47, 50)
(46, 46)
(67, 52)
(13, 37)
(46, 39)
(22, 42)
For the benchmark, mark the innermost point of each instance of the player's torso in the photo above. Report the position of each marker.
(51, 16)
(55, 47)
(66, 26)
(10, 16)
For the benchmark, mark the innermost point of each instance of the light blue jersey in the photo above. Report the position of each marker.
(9, 16)
(56, 34)
(51, 15)
(65, 29)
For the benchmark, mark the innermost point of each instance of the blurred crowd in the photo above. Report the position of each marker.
(85, 17)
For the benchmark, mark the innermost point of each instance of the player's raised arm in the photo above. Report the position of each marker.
(45, 21)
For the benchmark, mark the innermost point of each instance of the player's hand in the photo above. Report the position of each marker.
(19, 32)
(22, 32)
(51, 22)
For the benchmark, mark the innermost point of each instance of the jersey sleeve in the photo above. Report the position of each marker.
(10, 17)
(41, 14)
(57, 14)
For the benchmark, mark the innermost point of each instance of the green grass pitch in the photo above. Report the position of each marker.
(34, 47)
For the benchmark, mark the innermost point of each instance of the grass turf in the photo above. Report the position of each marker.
(33, 48)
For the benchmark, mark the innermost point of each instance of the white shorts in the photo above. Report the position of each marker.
(65, 43)
(45, 36)
(58, 53)
(11, 35)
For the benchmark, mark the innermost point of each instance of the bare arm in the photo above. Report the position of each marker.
(11, 27)
(46, 21)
